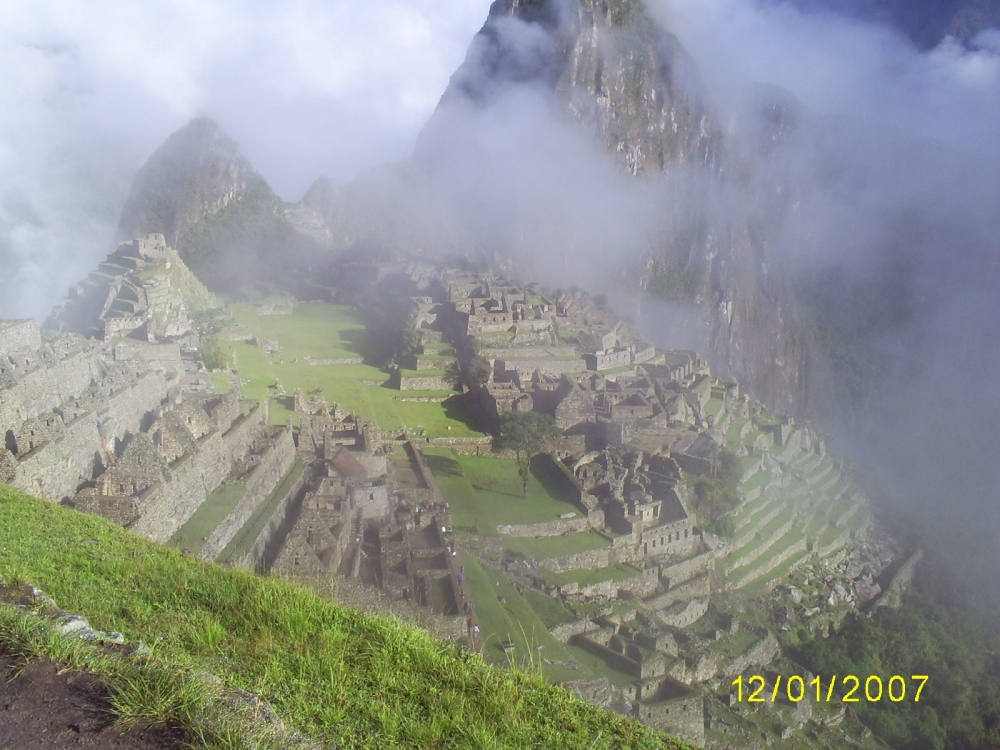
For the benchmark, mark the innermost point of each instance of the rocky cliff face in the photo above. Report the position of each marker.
(606, 65)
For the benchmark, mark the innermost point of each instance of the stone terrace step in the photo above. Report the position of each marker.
(768, 580)
(767, 536)
(745, 534)
(817, 474)
(857, 504)
(792, 543)
(829, 482)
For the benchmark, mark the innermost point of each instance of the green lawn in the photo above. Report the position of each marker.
(220, 380)
(515, 619)
(192, 535)
(325, 331)
(484, 492)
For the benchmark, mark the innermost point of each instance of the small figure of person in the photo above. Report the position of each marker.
(475, 632)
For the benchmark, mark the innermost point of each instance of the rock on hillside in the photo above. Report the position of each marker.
(634, 87)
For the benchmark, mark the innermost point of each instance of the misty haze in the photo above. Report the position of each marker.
(647, 346)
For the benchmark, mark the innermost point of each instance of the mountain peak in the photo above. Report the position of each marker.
(196, 172)
(607, 63)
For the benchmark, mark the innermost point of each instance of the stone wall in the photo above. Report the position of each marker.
(417, 461)
(592, 559)
(761, 653)
(254, 559)
(683, 717)
(564, 632)
(16, 335)
(674, 575)
(683, 614)
(158, 356)
(695, 588)
(641, 585)
(900, 581)
(431, 363)
(537, 352)
(45, 386)
(546, 528)
(194, 476)
(56, 470)
(431, 383)
(546, 366)
(576, 492)
(614, 659)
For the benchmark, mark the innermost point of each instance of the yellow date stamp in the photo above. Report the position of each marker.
(849, 689)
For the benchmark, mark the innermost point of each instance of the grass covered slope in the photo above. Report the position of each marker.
(349, 679)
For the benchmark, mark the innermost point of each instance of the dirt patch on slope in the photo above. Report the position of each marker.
(44, 707)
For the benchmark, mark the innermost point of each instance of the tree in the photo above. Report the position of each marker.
(480, 371)
(527, 433)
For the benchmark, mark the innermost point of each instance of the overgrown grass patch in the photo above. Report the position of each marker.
(346, 678)
(484, 492)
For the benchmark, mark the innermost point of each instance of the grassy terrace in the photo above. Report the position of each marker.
(192, 536)
(555, 546)
(346, 679)
(715, 405)
(733, 433)
(504, 614)
(484, 492)
(758, 584)
(247, 535)
(764, 538)
(324, 331)
(589, 577)
(423, 373)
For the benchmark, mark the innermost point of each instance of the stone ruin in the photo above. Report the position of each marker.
(143, 290)
(364, 521)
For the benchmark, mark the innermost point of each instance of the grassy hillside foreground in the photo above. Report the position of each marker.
(345, 678)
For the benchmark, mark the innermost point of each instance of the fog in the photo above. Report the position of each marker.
(897, 180)
(89, 91)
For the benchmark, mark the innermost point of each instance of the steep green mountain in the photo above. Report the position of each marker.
(196, 173)
(201, 193)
